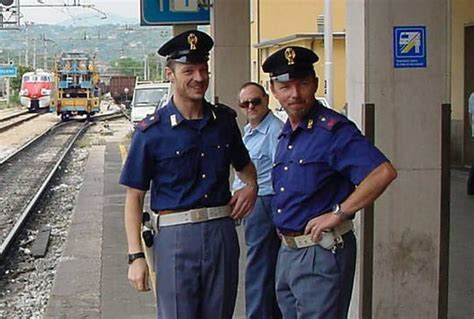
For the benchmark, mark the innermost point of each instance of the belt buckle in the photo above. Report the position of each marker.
(199, 215)
(304, 241)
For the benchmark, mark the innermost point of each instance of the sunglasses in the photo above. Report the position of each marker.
(246, 104)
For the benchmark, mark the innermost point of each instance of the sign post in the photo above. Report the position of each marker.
(9, 14)
(409, 47)
(8, 71)
(172, 12)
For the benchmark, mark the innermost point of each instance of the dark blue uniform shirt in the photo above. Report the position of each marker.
(186, 161)
(317, 166)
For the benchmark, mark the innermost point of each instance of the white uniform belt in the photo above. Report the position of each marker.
(329, 239)
(197, 215)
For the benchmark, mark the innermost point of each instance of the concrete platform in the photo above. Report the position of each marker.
(91, 281)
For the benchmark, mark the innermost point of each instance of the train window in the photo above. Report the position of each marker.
(44, 78)
(26, 78)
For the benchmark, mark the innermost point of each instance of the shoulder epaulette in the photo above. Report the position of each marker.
(227, 109)
(329, 119)
(148, 121)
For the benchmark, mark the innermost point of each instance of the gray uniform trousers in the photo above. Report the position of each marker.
(197, 270)
(314, 283)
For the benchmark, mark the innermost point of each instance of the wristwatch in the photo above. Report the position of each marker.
(132, 257)
(337, 210)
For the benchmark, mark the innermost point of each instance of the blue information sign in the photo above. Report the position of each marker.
(169, 12)
(8, 71)
(409, 47)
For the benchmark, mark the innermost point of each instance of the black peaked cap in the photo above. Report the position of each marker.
(191, 46)
(289, 63)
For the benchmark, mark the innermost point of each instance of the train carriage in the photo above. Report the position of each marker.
(36, 88)
(76, 81)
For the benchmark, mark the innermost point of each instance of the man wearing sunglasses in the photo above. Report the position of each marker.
(260, 138)
(325, 171)
(184, 151)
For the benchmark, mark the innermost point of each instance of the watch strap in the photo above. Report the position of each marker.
(132, 257)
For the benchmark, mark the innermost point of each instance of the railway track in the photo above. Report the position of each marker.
(13, 120)
(25, 174)
(7, 115)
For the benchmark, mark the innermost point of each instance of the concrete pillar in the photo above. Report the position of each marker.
(230, 26)
(180, 28)
(410, 233)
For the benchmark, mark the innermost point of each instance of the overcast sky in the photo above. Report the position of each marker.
(124, 8)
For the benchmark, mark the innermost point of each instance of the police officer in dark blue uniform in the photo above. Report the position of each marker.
(184, 152)
(324, 172)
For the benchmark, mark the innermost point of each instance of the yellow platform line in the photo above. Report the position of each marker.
(123, 153)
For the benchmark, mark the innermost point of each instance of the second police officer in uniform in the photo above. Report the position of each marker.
(325, 171)
(184, 152)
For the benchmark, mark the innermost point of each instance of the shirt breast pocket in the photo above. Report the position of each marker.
(177, 165)
(259, 160)
(310, 174)
(217, 155)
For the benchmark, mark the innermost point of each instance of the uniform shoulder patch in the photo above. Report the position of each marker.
(329, 120)
(148, 121)
(226, 109)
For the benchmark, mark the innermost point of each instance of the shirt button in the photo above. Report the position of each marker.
(177, 152)
(290, 147)
(285, 168)
(218, 146)
(282, 189)
(301, 161)
(278, 210)
(202, 154)
(205, 196)
(203, 175)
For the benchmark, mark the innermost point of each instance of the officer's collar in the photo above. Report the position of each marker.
(307, 123)
(175, 116)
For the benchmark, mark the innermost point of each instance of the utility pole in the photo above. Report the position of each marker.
(145, 68)
(45, 53)
(27, 50)
(34, 54)
(328, 59)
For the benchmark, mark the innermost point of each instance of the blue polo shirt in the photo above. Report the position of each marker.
(318, 165)
(186, 162)
(261, 143)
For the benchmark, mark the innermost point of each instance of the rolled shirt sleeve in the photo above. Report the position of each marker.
(137, 171)
(353, 155)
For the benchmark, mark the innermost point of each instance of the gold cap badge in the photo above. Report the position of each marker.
(290, 55)
(310, 124)
(192, 40)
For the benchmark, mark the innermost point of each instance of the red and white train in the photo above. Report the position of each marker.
(36, 89)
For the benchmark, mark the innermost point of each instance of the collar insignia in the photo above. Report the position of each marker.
(173, 120)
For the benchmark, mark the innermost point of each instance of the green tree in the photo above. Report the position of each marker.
(15, 82)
